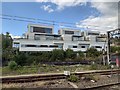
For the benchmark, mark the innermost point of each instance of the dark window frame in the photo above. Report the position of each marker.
(74, 46)
(83, 46)
(69, 32)
(42, 29)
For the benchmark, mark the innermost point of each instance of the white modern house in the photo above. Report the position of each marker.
(42, 38)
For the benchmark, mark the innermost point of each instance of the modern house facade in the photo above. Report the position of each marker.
(42, 38)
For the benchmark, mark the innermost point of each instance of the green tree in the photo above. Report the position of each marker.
(6, 41)
(93, 53)
(46, 56)
(7, 51)
(21, 58)
(115, 49)
(57, 55)
(70, 54)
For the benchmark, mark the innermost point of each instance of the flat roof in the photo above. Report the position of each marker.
(39, 25)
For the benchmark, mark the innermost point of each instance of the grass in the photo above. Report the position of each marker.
(39, 69)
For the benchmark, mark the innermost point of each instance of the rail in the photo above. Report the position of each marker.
(39, 77)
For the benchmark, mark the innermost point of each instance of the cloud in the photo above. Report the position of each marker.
(107, 20)
(108, 9)
(101, 24)
(14, 36)
(61, 4)
(47, 8)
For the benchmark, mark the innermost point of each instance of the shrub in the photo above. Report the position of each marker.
(21, 58)
(57, 55)
(70, 54)
(73, 78)
(94, 67)
(12, 65)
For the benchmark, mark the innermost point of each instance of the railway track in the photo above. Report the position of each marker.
(39, 77)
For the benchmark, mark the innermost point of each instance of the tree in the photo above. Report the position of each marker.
(57, 55)
(70, 54)
(93, 53)
(79, 55)
(7, 51)
(46, 56)
(114, 49)
(21, 58)
(6, 41)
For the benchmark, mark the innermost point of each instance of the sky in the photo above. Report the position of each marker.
(82, 14)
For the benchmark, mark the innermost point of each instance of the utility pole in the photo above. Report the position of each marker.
(108, 47)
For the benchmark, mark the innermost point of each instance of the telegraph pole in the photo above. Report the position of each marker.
(108, 47)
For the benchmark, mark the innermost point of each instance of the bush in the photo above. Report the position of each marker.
(73, 78)
(57, 55)
(21, 59)
(94, 67)
(12, 65)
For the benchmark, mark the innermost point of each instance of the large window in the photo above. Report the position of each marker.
(74, 46)
(43, 45)
(42, 30)
(98, 47)
(69, 32)
(28, 45)
(82, 46)
(93, 33)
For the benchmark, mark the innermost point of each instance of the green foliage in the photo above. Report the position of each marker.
(73, 78)
(99, 67)
(70, 54)
(46, 56)
(57, 55)
(79, 56)
(7, 51)
(12, 65)
(93, 67)
(114, 49)
(6, 41)
(21, 59)
(92, 53)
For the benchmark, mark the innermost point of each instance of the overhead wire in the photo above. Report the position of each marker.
(45, 21)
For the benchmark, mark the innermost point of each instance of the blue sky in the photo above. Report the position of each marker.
(49, 11)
